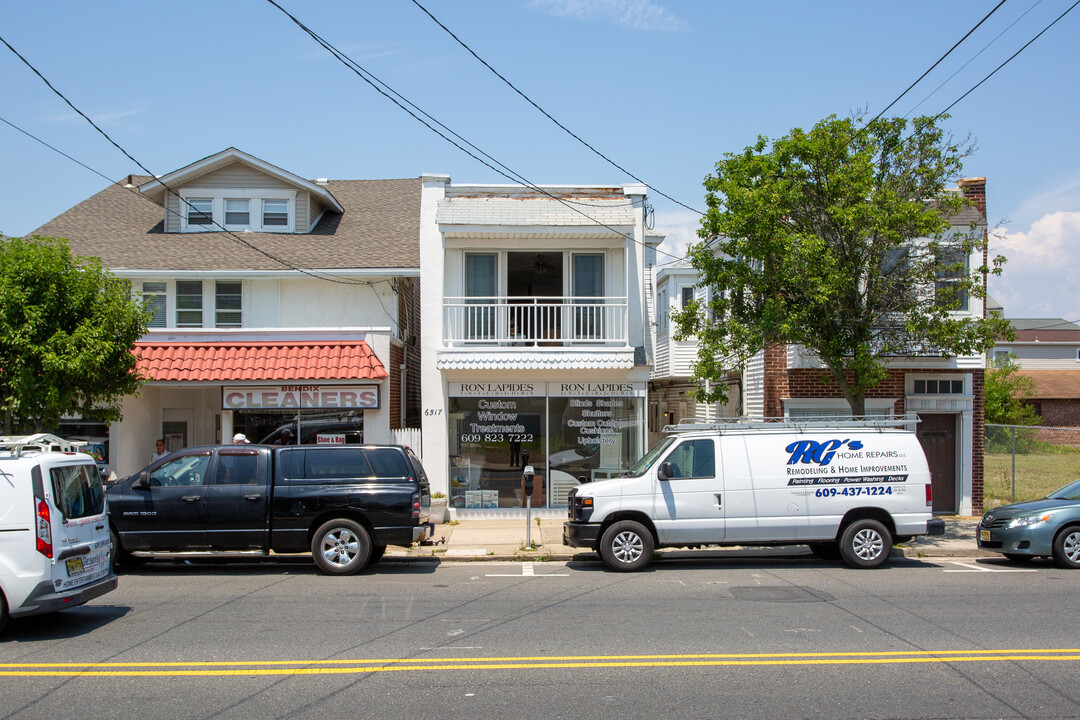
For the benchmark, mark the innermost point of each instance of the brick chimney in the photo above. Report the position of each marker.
(975, 189)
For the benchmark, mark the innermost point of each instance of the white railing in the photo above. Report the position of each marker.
(532, 321)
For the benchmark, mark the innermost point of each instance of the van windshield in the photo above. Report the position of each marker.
(642, 466)
(78, 492)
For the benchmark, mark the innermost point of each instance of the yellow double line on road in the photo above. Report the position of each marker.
(346, 667)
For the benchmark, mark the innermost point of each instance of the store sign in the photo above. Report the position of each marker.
(276, 397)
(596, 389)
(496, 389)
(330, 439)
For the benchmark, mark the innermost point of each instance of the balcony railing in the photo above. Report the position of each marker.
(535, 321)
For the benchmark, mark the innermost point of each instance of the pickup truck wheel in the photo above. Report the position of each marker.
(865, 544)
(341, 547)
(626, 546)
(120, 557)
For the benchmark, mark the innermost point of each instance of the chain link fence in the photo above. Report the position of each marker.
(1025, 462)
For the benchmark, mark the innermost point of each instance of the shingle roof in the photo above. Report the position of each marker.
(284, 361)
(1054, 384)
(379, 229)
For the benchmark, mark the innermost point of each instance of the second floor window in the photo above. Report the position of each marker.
(275, 212)
(228, 305)
(200, 211)
(237, 212)
(155, 299)
(189, 303)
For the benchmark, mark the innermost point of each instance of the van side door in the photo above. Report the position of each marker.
(236, 500)
(689, 500)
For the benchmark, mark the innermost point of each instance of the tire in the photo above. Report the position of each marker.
(1067, 547)
(865, 544)
(627, 546)
(1018, 558)
(341, 547)
(121, 558)
(4, 617)
(377, 551)
(826, 550)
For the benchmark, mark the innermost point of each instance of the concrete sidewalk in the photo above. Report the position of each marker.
(472, 540)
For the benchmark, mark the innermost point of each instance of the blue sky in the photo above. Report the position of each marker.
(662, 88)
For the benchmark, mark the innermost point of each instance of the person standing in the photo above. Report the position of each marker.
(159, 450)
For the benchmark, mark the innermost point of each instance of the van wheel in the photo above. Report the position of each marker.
(865, 544)
(626, 546)
(1067, 547)
(3, 612)
(341, 547)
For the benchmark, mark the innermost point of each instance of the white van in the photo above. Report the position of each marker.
(54, 535)
(847, 488)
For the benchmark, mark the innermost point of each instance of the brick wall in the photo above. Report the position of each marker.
(978, 441)
(1060, 413)
(397, 354)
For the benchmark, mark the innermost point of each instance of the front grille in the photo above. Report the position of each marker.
(992, 522)
(571, 501)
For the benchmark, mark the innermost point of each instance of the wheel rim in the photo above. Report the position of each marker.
(627, 546)
(340, 547)
(867, 544)
(1071, 546)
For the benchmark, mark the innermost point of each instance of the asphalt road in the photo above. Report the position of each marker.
(756, 637)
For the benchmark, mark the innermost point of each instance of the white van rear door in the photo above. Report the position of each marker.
(80, 530)
(689, 506)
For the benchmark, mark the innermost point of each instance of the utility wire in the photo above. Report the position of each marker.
(548, 115)
(271, 256)
(973, 58)
(1010, 58)
(398, 99)
(939, 60)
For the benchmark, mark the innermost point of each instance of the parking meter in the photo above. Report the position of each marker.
(528, 476)
(524, 458)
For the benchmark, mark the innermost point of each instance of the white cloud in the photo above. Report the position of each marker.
(105, 117)
(635, 14)
(681, 228)
(1041, 277)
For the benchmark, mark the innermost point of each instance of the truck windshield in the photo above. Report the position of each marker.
(650, 458)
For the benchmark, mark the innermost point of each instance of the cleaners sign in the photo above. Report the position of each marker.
(294, 397)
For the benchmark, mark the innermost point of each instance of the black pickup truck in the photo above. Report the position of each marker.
(343, 504)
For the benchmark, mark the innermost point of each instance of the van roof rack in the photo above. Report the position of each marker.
(42, 442)
(905, 422)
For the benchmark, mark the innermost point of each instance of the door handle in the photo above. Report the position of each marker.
(718, 502)
(253, 498)
(191, 498)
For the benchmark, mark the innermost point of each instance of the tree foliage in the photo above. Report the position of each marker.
(67, 328)
(1006, 393)
(838, 239)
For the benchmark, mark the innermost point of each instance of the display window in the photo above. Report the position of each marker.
(304, 427)
(569, 433)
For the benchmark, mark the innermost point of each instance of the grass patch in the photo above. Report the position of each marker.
(1037, 474)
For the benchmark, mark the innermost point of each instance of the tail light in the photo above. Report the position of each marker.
(929, 496)
(416, 506)
(44, 528)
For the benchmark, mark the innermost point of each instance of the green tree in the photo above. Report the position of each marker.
(1006, 393)
(67, 328)
(838, 239)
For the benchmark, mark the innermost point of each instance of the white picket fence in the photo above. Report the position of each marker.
(410, 437)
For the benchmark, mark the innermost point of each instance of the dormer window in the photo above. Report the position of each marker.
(255, 209)
(200, 211)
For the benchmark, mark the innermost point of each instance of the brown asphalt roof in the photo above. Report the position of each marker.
(379, 229)
(1054, 384)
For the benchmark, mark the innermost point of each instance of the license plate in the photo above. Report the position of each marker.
(984, 535)
(74, 566)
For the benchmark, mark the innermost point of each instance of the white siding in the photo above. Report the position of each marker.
(754, 389)
(1044, 357)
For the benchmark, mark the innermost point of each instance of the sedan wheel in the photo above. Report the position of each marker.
(1067, 547)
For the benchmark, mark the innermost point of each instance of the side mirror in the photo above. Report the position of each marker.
(142, 482)
(583, 479)
(665, 471)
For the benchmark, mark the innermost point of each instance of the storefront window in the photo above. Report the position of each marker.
(568, 432)
(316, 427)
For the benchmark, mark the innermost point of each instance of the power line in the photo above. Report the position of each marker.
(939, 60)
(973, 57)
(545, 112)
(271, 256)
(1010, 58)
(401, 101)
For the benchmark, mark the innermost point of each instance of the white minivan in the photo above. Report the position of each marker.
(846, 488)
(54, 535)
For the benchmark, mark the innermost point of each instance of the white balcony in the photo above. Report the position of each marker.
(535, 321)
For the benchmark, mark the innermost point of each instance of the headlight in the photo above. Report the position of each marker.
(1030, 520)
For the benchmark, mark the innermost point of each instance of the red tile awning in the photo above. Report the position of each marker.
(276, 361)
